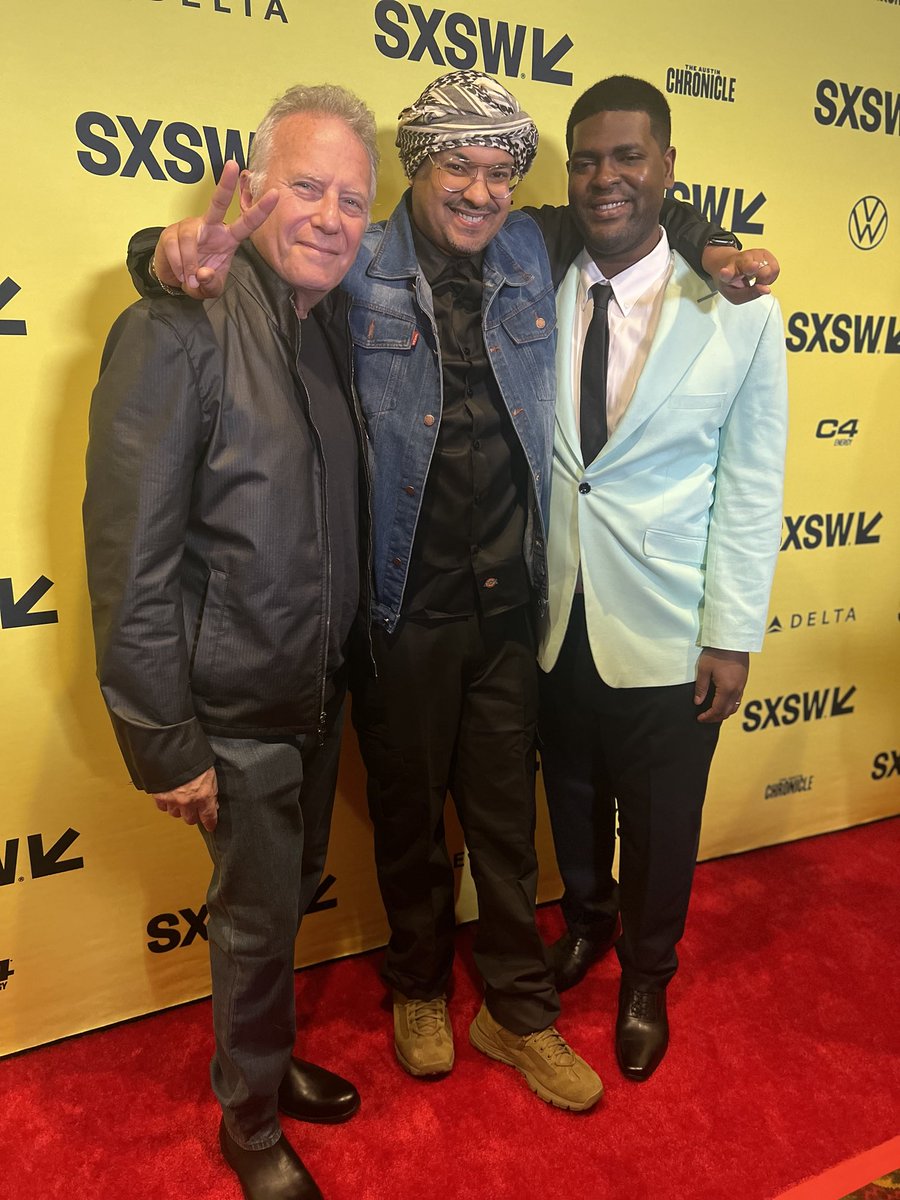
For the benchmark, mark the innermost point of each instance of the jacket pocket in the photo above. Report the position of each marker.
(531, 331)
(207, 633)
(383, 344)
(677, 547)
(696, 400)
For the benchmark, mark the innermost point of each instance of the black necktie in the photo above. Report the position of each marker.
(594, 360)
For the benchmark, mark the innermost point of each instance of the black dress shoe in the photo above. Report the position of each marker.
(276, 1173)
(642, 1032)
(574, 953)
(310, 1093)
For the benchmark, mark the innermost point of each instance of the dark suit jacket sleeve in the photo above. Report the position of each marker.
(687, 231)
(146, 438)
(140, 251)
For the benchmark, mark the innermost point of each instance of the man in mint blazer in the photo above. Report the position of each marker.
(664, 530)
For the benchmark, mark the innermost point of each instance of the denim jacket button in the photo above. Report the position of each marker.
(429, 419)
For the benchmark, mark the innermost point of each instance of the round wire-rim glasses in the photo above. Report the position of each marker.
(456, 175)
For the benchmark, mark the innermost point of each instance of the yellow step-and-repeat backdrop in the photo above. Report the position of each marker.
(119, 113)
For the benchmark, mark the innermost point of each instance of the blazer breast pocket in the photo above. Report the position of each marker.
(700, 400)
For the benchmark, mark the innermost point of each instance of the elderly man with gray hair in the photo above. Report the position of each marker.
(224, 489)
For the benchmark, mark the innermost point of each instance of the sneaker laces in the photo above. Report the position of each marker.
(552, 1046)
(426, 1017)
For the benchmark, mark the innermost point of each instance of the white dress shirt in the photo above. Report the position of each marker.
(633, 316)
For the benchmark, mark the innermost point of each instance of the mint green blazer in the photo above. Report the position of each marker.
(679, 533)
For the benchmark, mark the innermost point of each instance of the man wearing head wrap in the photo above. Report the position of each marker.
(453, 323)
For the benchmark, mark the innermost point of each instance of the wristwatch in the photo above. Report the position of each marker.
(724, 239)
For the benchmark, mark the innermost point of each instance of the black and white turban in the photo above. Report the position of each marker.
(465, 108)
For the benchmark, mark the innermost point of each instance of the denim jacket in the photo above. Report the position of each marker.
(398, 376)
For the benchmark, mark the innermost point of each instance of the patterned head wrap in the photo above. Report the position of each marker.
(465, 108)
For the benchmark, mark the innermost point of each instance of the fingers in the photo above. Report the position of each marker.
(223, 195)
(190, 233)
(725, 704)
(248, 222)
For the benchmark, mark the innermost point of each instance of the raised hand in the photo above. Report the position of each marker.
(195, 254)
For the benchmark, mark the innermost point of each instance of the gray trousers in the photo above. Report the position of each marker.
(268, 851)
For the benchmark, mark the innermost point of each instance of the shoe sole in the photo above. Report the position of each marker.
(423, 1072)
(309, 1120)
(482, 1043)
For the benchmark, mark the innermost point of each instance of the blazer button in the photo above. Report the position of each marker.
(584, 488)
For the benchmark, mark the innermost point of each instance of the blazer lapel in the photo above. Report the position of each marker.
(685, 326)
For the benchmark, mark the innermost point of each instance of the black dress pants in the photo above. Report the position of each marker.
(454, 707)
(645, 747)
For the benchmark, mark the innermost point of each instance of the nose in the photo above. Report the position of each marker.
(606, 174)
(477, 192)
(327, 216)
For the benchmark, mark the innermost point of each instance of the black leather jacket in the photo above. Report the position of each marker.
(206, 527)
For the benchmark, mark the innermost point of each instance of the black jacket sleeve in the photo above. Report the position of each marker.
(140, 251)
(687, 230)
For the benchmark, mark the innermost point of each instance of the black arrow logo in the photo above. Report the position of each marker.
(8, 289)
(864, 535)
(892, 341)
(48, 862)
(543, 62)
(14, 614)
(742, 214)
(319, 904)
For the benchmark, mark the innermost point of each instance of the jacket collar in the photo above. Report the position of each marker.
(395, 257)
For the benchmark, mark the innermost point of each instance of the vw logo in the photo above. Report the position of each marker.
(868, 222)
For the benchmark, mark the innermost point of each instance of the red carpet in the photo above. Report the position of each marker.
(785, 1061)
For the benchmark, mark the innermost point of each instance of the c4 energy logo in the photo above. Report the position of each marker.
(267, 9)
(868, 222)
(886, 764)
(866, 109)
(810, 620)
(838, 333)
(773, 712)
(836, 431)
(729, 207)
(42, 862)
(16, 613)
(178, 151)
(457, 40)
(787, 786)
(706, 83)
(8, 289)
(811, 531)
(5, 972)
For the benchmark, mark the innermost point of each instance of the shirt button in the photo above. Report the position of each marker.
(490, 583)
(584, 488)
(476, 445)
(429, 419)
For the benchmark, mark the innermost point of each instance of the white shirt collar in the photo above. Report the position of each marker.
(629, 285)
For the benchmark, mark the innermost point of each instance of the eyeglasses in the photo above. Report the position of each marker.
(456, 175)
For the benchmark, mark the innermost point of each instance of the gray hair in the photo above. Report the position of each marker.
(325, 99)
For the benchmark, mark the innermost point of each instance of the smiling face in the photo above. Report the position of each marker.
(618, 173)
(459, 222)
(322, 173)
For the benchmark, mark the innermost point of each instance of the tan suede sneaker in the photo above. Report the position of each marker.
(423, 1039)
(553, 1070)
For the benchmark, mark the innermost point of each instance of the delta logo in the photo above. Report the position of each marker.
(840, 333)
(816, 619)
(462, 41)
(773, 712)
(266, 9)
(131, 146)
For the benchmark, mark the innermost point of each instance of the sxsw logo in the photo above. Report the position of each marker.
(809, 532)
(178, 151)
(171, 930)
(868, 109)
(16, 613)
(723, 206)
(5, 972)
(836, 333)
(42, 862)
(458, 40)
(886, 764)
(797, 706)
(8, 289)
(810, 620)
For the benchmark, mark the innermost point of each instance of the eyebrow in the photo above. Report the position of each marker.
(615, 150)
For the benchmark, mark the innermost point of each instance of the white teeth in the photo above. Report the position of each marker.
(470, 218)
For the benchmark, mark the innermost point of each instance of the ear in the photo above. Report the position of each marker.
(246, 195)
(669, 160)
